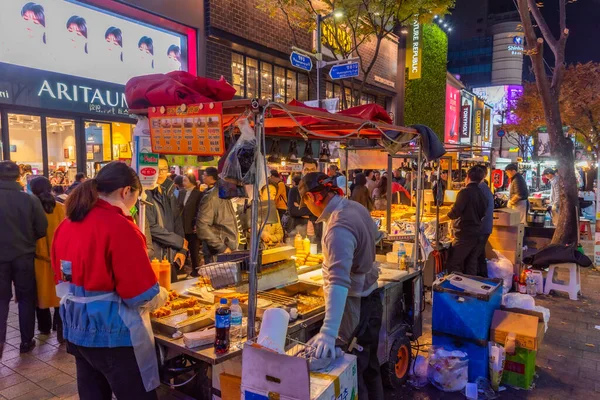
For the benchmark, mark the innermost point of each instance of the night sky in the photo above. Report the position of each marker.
(584, 28)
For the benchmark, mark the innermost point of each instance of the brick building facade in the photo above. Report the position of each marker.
(251, 50)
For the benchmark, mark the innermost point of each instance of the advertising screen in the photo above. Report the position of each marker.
(502, 99)
(452, 134)
(73, 39)
(465, 119)
(67, 55)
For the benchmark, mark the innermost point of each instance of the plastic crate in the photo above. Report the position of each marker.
(477, 352)
(463, 313)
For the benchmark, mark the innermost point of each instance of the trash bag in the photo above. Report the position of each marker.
(501, 267)
(448, 370)
(518, 300)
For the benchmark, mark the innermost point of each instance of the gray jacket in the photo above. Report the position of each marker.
(216, 224)
(22, 221)
(164, 221)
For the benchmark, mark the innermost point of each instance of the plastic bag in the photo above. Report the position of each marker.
(501, 267)
(418, 371)
(518, 300)
(238, 163)
(448, 370)
(546, 313)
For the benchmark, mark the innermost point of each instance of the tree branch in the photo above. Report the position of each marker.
(541, 22)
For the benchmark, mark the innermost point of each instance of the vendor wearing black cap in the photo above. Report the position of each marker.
(518, 191)
(550, 174)
(353, 304)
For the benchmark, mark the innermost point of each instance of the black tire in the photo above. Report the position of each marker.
(394, 372)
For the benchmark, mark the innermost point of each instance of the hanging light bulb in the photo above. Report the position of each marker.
(324, 155)
(293, 155)
(308, 156)
(274, 153)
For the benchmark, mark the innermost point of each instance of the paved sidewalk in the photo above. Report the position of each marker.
(568, 362)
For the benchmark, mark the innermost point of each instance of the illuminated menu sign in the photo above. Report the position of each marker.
(196, 129)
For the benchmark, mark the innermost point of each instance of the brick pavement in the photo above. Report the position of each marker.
(568, 364)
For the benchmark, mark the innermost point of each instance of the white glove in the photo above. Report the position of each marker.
(324, 345)
(335, 304)
(157, 301)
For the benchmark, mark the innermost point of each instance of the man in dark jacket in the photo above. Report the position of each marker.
(23, 222)
(467, 214)
(439, 189)
(79, 177)
(164, 219)
(299, 216)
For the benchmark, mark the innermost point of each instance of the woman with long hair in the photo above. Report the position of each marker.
(108, 288)
(189, 202)
(380, 197)
(360, 194)
(44, 276)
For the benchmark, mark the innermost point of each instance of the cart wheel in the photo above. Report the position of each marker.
(395, 371)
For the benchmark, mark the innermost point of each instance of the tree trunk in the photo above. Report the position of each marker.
(561, 147)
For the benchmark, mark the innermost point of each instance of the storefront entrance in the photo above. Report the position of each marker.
(58, 147)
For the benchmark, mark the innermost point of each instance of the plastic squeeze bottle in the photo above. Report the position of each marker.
(155, 263)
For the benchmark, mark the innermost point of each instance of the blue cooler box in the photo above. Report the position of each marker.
(477, 352)
(465, 312)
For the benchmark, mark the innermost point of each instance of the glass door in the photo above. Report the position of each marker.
(98, 146)
(25, 145)
(62, 150)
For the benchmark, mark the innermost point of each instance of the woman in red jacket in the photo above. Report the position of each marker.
(107, 288)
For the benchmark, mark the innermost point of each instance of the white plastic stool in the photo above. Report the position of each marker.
(574, 285)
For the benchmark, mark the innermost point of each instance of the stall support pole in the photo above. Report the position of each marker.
(347, 172)
(142, 217)
(254, 237)
(388, 219)
(418, 208)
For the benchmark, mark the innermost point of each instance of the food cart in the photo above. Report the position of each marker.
(197, 371)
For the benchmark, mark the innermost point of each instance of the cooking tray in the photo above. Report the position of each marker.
(178, 320)
(303, 288)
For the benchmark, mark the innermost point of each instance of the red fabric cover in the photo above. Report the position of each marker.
(159, 90)
(215, 90)
(297, 103)
(396, 187)
(371, 112)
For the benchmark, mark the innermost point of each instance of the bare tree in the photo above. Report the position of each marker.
(550, 89)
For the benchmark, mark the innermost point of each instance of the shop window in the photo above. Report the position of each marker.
(121, 141)
(1, 144)
(237, 73)
(280, 85)
(302, 87)
(62, 151)
(106, 142)
(251, 78)
(266, 81)
(291, 86)
(25, 145)
(348, 95)
(329, 90)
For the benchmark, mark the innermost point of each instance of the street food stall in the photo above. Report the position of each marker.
(283, 277)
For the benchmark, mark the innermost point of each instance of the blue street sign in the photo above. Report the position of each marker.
(500, 133)
(344, 71)
(301, 61)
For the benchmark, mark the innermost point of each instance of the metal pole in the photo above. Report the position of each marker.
(347, 171)
(254, 239)
(142, 216)
(388, 217)
(319, 58)
(418, 210)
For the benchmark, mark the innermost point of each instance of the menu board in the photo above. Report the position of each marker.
(195, 129)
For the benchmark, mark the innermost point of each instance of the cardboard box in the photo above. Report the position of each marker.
(526, 327)
(267, 375)
(506, 217)
(519, 368)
